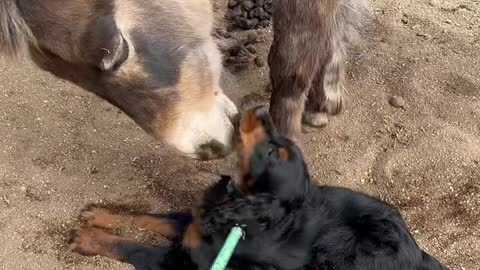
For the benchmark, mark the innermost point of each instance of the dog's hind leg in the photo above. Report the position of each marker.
(94, 241)
(168, 225)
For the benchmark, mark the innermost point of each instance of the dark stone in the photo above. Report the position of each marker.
(248, 4)
(253, 23)
(252, 38)
(235, 12)
(242, 22)
(251, 48)
(259, 62)
(232, 3)
(264, 23)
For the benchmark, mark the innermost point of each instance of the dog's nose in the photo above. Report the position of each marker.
(261, 117)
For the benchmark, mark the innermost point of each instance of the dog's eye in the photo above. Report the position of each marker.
(270, 151)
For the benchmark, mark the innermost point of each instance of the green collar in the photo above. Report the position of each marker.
(228, 248)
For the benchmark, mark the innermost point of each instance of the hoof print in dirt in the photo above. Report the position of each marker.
(249, 14)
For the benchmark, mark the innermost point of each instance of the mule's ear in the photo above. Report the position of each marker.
(106, 45)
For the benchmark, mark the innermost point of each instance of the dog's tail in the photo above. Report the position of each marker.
(15, 35)
(430, 263)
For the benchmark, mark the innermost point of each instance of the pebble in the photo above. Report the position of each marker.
(251, 48)
(259, 62)
(232, 3)
(252, 38)
(426, 36)
(396, 102)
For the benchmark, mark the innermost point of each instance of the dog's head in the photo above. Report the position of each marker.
(269, 163)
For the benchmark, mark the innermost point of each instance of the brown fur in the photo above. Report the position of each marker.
(102, 218)
(307, 57)
(92, 241)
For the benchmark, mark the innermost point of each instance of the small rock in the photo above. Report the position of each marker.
(232, 3)
(235, 12)
(251, 49)
(243, 23)
(252, 38)
(396, 102)
(464, 6)
(248, 4)
(259, 62)
(426, 36)
(253, 23)
(93, 170)
(236, 50)
(448, 21)
(405, 19)
(264, 23)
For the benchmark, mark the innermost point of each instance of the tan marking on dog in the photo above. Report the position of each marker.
(251, 133)
(93, 242)
(283, 153)
(192, 237)
(158, 225)
(101, 218)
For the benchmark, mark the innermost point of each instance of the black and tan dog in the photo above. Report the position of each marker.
(289, 222)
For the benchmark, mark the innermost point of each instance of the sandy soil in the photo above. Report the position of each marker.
(62, 148)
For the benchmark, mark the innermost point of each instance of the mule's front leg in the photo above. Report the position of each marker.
(325, 97)
(290, 84)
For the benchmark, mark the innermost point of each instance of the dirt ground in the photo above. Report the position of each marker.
(62, 148)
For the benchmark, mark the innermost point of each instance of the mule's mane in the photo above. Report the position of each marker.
(15, 35)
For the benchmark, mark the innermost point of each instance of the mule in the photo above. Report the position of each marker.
(156, 60)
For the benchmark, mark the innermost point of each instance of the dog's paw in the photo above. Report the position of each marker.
(86, 241)
(99, 217)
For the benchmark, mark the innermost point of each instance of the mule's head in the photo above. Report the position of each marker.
(155, 60)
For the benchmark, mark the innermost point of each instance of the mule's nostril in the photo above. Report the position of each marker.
(212, 150)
